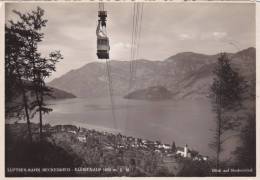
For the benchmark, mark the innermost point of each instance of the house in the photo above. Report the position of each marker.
(205, 158)
(120, 146)
(143, 146)
(58, 128)
(197, 158)
(73, 132)
(144, 141)
(70, 128)
(183, 151)
(81, 130)
(82, 137)
(200, 158)
(108, 147)
(134, 145)
(130, 139)
(164, 146)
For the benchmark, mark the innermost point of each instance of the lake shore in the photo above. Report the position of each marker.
(185, 122)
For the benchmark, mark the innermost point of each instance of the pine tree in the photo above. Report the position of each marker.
(173, 146)
(226, 94)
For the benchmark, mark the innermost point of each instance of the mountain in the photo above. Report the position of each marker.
(54, 94)
(187, 75)
(15, 105)
(151, 93)
(59, 94)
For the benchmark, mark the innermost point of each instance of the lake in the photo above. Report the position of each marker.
(185, 122)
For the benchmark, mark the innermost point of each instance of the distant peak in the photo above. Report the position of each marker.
(187, 54)
(250, 49)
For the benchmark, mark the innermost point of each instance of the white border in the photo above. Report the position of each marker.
(2, 119)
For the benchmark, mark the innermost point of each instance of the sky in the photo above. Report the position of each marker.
(167, 29)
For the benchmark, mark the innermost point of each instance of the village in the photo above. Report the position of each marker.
(121, 142)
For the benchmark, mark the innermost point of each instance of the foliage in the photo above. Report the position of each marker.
(173, 146)
(226, 93)
(194, 168)
(246, 153)
(24, 62)
(16, 69)
(228, 85)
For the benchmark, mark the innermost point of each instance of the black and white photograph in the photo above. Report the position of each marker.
(130, 89)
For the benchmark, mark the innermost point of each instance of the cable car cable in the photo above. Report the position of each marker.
(135, 45)
(131, 60)
(103, 15)
(135, 39)
(138, 40)
(132, 42)
(110, 87)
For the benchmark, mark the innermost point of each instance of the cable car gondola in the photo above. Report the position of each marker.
(102, 39)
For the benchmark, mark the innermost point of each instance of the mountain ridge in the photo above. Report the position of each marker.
(185, 74)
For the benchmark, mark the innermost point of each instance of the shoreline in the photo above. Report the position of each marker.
(95, 114)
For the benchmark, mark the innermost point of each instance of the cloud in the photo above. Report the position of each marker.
(120, 50)
(80, 33)
(166, 29)
(216, 35)
(122, 45)
(219, 35)
(185, 36)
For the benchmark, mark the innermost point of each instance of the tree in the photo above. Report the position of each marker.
(16, 68)
(36, 67)
(42, 69)
(226, 94)
(173, 146)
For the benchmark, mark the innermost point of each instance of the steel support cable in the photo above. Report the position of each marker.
(136, 33)
(110, 87)
(132, 47)
(109, 78)
(135, 39)
(134, 42)
(131, 61)
(138, 40)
